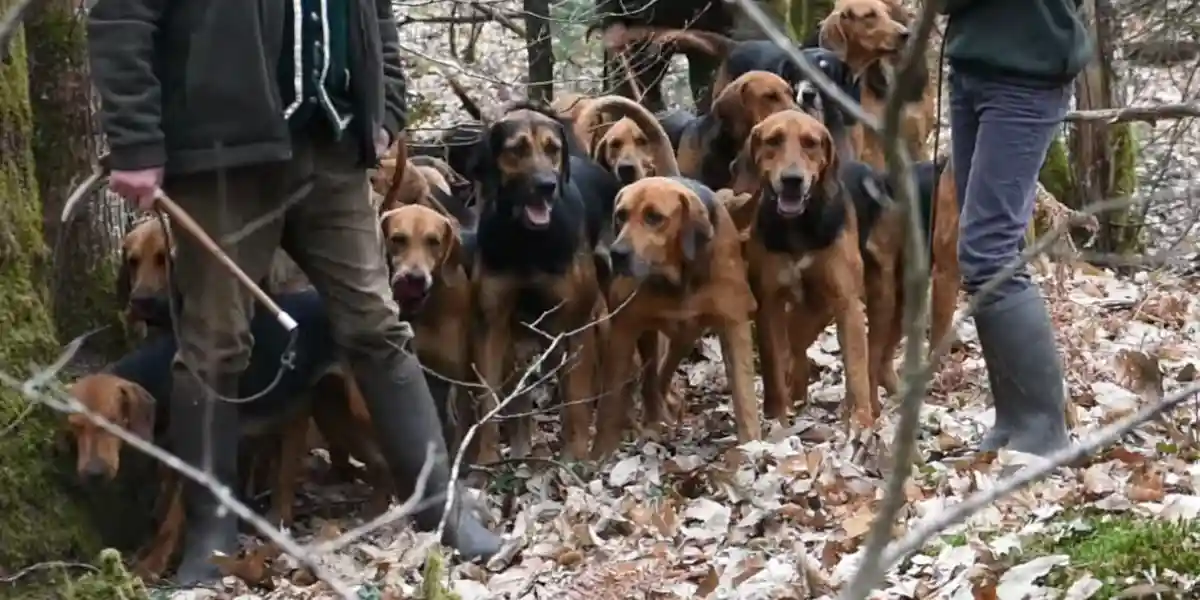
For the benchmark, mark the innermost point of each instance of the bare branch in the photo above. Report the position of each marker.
(1145, 114)
(810, 71)
(916, 296)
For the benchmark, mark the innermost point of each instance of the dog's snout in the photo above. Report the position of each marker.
(415, 279)
(622, 258)
(545, 184)
(903, 35)
(792, 180)
(93, 472)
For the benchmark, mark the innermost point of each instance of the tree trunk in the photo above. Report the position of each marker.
(804, 16)
(39, 518)
(540, 50)
(1104, 156)
(82, 266)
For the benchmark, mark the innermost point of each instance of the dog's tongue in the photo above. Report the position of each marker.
(537, 214)
(791, 205)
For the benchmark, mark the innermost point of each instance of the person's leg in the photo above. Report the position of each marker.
(1016, 124)
(334, 236)
(214, 347)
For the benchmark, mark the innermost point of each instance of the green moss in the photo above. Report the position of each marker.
(433, 578)
(805, 15)
(38, 519)
(107, 580)
(1123, 230)
(1120, 551)
(1056, 175)
(62, 148)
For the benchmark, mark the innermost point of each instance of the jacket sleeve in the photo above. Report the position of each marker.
(950, 7)
(121, 47)
(395, 88)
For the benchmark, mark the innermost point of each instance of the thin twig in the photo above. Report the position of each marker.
(1146, 114)
(810, 71)
(917, 537)
(916, 292)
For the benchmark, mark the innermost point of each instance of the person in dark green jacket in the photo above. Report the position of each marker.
(261, 119)
(1012, 64)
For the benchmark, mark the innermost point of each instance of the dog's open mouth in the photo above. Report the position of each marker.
(538, 215)
(791, 204)
(409, 294)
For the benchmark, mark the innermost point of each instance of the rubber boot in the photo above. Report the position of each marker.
(1025, 373)
(406, 423)
(210, 528)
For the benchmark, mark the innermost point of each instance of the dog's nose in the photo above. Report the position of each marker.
(93, 473)
(791, 181)
(415, 279)
(622, 258)
(545, 185)
(626, 172)
(808, 97)
(903, 36)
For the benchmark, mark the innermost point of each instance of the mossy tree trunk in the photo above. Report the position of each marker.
(63, 150)
(39, 519)
(804, 16)
(1103, 157)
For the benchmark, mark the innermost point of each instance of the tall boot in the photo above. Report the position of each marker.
(209, 528)
(1025, 373)
(406, 424)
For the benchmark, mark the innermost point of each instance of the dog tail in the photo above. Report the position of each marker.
(617, 38)
(621, 107)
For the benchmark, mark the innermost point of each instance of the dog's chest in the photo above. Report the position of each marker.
(790, 276)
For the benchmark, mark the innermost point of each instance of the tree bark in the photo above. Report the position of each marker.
(805, 15)
(39, 518)
(64, 145)
(540, 50)
(1103, 156)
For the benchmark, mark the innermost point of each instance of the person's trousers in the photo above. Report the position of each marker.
(331, 232)
(1000, 132)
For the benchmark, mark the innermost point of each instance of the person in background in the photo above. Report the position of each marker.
(261, 121)
(1009, 90)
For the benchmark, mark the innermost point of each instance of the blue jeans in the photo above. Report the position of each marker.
(1000, 132)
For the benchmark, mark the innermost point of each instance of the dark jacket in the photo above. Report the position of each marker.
(177, 78)
(1044, 40)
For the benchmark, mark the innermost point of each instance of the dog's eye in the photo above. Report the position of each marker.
(620, 216)
(870, 15)
(399, 240)
(774, 139)
(133, 262)
(551, 146)
(653, 218)
(432, 241)
(160, 259)
(808, 142)
(640, 141)
(772, 97)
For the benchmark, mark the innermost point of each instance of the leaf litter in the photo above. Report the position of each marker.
(692, 515)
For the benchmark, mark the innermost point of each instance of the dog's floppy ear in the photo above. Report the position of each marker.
(745, 173)
(697, 229)
(742, 208)
(482, 168)
(137, 405)
(831, 175)
(729, 107)
(124, 280)
(452, 237)
(600, 152)
(564, 151)
(832, 35)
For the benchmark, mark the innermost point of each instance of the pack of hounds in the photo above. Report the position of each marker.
(623, 236)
